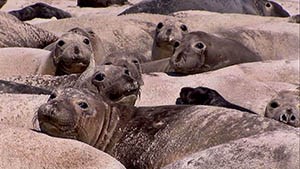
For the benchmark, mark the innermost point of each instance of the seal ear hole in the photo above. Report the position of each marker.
(183, 27)
(176, 44)
(60, 43)
(159, 25)
(274, 104)
(200, 45)
(83, 105)
(86, 41)
(99, 77)
(268, 4)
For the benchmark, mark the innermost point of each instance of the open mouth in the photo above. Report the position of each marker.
(118, 96)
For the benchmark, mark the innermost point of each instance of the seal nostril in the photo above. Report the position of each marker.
(99, 77)
(176, 44)
(283, 118)
(178, 58)
(76, 50)
(274, 104)
(292, 118)
(169, 31)
(183, 27)
(52, 96)
(126, 72)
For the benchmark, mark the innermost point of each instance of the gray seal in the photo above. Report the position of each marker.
(253, 7)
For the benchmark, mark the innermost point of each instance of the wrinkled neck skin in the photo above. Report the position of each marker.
(162, 65)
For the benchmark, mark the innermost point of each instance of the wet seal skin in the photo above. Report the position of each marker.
(285, 107)
(252, 7)
(206, 96)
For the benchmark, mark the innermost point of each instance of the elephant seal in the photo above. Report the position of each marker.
(285, 107)
(131, 61)
(146, 137)
(13, 87)
(295, 19)
(206, 96)
(2, 3)
(100, 3)
(166, 34)
(201, 52)
(253, 7)
(16, 33)
(39, 10)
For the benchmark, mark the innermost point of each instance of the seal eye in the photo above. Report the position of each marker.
(99, 77)
(183, 28)
(199, 45)
(83, 105)
(268, 5)
(52, 96)
(86, 41)
(60, 43)
(274, 105)
(135, 61)
(108, 63)
(176, 44)
(159, 25)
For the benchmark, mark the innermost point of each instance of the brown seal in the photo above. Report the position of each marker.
(201, 52)
(167, 33)
(146, 137)
(285, 107)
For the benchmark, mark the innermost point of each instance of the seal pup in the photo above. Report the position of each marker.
(100, 3)
(39, 10)
(146, 137)
(201, 52)
(285, 107)
(167, 33)
(253, 7)
(206, 96)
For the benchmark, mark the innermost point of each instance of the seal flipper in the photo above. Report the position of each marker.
(18, 88)
(39, 10)
(206, 96)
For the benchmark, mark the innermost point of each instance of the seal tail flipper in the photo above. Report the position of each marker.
(39, 10)
(18, 88)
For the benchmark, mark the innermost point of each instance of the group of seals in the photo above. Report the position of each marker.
(254, 7)
(199, 52)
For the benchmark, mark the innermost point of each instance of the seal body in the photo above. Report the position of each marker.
(253, 7)
(285, 107)
(145, 137)
(99, 3)
(200, 52)
(2, 3)
(167, 33)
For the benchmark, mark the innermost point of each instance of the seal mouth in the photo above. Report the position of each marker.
(73, 67)
(119, 96)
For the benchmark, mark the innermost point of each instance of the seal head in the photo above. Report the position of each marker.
(285, 107)
(71, 54)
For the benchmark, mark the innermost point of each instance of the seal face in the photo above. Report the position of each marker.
(166, 34)
(270, 8)
(206, 96)
(71, 54)
(69, 113)
(200, 52)
(131, 61)
(285, 107)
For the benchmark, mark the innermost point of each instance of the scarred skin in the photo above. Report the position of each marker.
(285, 107)
(253, 7)
(145, 137)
